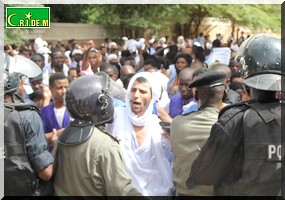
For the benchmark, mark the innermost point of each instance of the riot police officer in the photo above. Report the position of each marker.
(89, 160)
(242, 156)
(28, 164)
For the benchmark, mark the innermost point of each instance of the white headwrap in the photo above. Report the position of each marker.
(139, 121)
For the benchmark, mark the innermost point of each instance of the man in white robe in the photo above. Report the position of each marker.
(144, 148)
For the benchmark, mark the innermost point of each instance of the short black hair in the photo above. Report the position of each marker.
(171, 55)
(126, 80)
(217, 43)
(125, 53)
(186, 56)
(112, 66)
(235, 86)
(56, 76)
(199, 53)
(38, 54)
(150, 61)
(55, 50)
(70, 69)
(24, 48)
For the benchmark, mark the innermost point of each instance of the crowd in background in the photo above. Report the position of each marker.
(156, 54)
(173, 64)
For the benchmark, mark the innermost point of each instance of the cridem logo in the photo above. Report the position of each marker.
(27, 17)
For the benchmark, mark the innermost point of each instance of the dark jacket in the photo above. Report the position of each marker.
(241, 156)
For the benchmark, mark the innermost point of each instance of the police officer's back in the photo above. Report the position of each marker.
(243, 153)
(188, 132)
(89, 160)
(27, 161)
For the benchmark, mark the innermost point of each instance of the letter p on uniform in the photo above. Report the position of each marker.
(274, 152)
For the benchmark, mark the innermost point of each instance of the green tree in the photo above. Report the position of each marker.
(258, 17)
(72, 13)
(131, 19)
(162, 19)
(184, 19)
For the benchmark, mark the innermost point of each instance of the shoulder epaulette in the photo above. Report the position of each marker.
(103, 130)
(21, 107)
(242, 104)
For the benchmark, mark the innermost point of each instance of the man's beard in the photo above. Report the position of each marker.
(58, 67)
(38, 94)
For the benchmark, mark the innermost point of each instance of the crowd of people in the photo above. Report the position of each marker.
(99, 131)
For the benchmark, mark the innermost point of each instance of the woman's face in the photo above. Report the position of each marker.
(180, 64)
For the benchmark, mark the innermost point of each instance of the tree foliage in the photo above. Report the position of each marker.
(68, 12)
(256, 16)
(162, 19)
(184, 19)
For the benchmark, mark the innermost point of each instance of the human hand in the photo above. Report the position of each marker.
(53, 141)
(59, 131)
(166, 135)
(139, 50)
(46, 92)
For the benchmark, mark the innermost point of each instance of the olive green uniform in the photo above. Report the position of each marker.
(188, 134)
(92, 168)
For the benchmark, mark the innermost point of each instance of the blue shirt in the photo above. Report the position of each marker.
(176, 104)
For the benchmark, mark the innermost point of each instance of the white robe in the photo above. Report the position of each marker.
(148, 165)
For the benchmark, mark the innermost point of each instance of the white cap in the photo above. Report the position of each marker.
(77, 51)
(198, 44)
(112, 57)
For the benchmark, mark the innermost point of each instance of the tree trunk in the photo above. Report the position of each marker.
(237, 33)
(133, 34)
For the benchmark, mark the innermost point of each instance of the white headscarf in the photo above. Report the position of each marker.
(140, 121)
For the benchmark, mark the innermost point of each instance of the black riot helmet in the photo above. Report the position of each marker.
(88, 100)
(11, 80)
(260, 58)
(14, 68)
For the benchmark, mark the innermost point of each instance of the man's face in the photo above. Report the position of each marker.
(73, 74)
(58, 60)
(77, 57)
(111, 73)
(185, 92)
(37, 86)
(38, 60)
(103, 51)
(94, 58)
(140, 97)
(58, 89)
(235, 68)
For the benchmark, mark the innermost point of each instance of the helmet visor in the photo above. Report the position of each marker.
(268, 82)
(23, 65)
(116, 90)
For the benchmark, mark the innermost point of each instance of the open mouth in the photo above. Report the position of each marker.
(136, 104)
